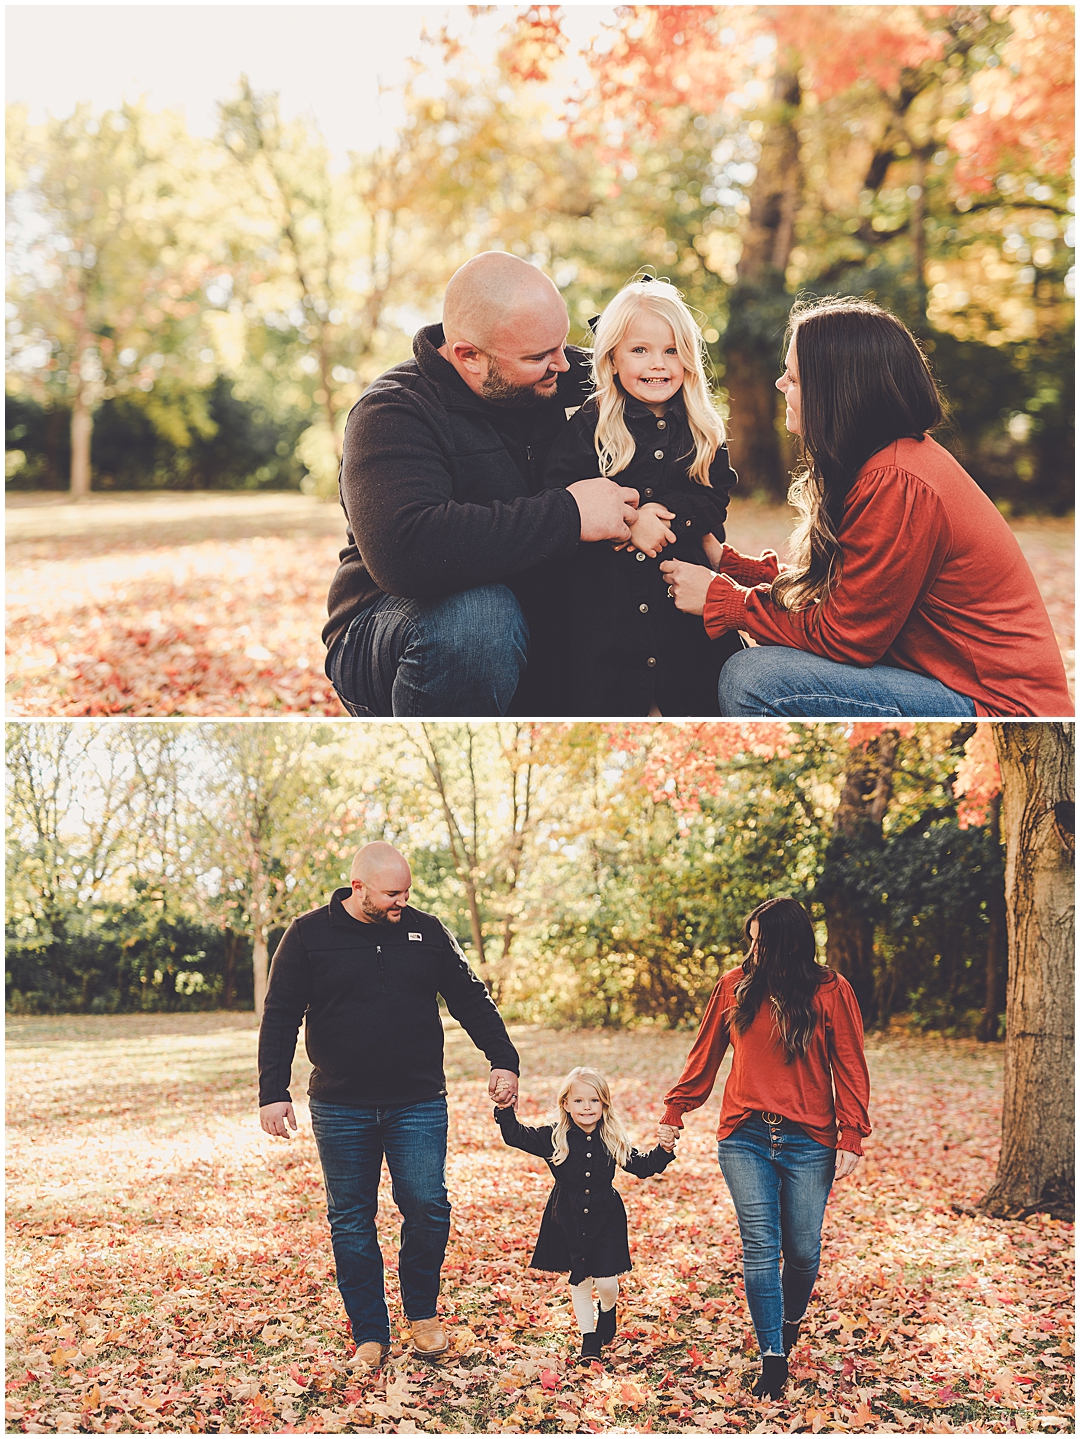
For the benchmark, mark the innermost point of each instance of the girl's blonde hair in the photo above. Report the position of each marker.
(614, 443)
(611, 1129)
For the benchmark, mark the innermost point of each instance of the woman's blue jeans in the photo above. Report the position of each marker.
(779, 1180)
(352, 1143)
(777, 680)
(462, 655)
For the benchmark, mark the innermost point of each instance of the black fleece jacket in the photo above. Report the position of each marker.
(370, 994)
(443, 490)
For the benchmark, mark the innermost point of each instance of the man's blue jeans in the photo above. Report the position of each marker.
(776, 680)
(352, 1142)
(779, 1180)
(462, 655)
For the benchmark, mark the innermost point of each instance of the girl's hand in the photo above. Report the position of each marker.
(666, 1136)
(687, 584)
(503, 1088)
(845, 1163)
(650, 531)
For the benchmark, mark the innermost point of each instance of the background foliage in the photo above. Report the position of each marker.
(595, 875)
(213, 308)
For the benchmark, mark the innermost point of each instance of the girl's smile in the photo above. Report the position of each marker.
(584, 1106)
(647, 362)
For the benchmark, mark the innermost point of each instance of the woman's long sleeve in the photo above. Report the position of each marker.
(850, 1076)
(699, 1074)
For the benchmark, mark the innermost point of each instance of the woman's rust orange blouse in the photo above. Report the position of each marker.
(826, 1092)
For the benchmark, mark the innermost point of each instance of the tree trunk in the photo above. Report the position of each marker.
(261, 967)
(997, 942)
(857, 826)
(82, 425)
(1035, 1170)
(753, 442)
(759, 303)
(260, 962)
(228, 979)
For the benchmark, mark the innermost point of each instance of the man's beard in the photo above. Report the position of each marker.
(377, 915)
(497, 388)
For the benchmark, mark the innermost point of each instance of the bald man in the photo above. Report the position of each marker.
(366, 971)
(450, 580)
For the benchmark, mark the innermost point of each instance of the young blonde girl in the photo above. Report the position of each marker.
(583, 1231)
(652, 424)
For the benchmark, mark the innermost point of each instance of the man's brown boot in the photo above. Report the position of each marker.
(429, 1339)
(368, 1357)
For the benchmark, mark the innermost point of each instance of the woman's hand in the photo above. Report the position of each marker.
(714, 551)
(650, 531)
(687, 585)
(666, 1136)
(845, 1163)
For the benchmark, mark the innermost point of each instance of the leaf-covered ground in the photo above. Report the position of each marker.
(212, 604)
(169, 1266)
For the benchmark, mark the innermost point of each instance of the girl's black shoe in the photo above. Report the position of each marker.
(773, 1377)
(791, 1335)
(590, 1347)
(605, 1323)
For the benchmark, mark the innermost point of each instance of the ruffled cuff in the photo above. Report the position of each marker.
(849, 1139)
(749, 569)
(725, 607)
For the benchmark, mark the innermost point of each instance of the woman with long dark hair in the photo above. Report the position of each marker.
(796, 1035)
(908, 593)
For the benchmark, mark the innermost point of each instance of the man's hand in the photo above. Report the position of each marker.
(650, 531)
(503, 1087)
(845, 1163)
(605, 508)
(274, 1117)
(666, 1136)
(689, 584)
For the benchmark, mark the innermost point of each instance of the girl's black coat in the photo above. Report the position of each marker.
(584, 1225)
(628, 645)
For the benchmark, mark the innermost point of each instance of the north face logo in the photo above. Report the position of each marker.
(414, 935)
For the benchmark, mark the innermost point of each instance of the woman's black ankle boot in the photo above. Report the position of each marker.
(605, 1324)
(773, 1377)
(791, 1335)
(590, 1346)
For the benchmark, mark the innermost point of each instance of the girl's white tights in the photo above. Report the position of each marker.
(581, 1294)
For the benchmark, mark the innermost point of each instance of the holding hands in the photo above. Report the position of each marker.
(666, 1136)
(649, 530)
(503, 1088)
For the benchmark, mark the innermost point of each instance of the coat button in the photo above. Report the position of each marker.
(589, 1155)
(586, 1211)
(658, 454)
(689, 522)
(651, 662)
(661, 424)
(640, 556)
(648, 492)
(588, 1191)
(644, 609)
(588, 1175)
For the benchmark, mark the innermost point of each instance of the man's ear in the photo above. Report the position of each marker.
(468, 356)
